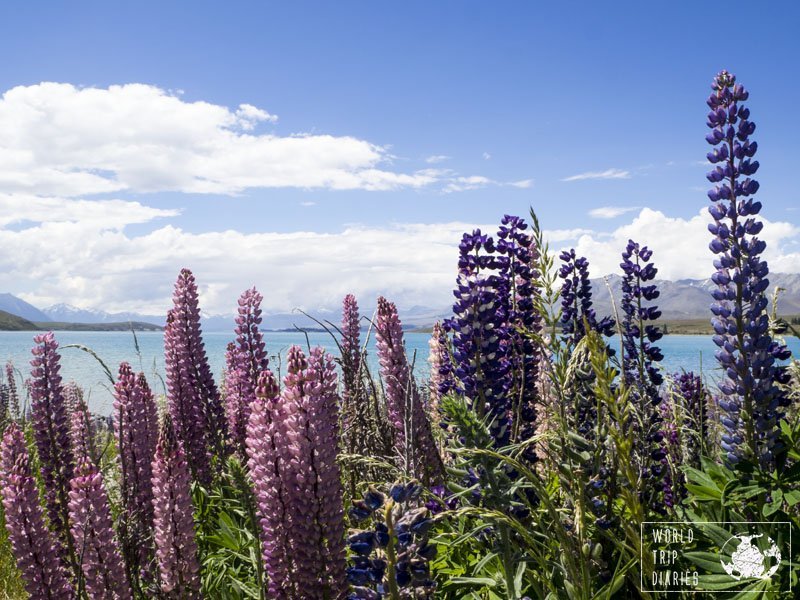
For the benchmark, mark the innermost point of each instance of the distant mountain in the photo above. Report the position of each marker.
(690, 298)
(679, 300)
(17, 306)
(66, 313)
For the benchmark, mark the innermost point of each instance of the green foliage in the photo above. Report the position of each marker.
(227, 537)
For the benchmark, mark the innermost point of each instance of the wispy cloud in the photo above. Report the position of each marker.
(436, 158)
(611, 212)
(607, 174)
(522, 183)
(486, 156)
(473, 182)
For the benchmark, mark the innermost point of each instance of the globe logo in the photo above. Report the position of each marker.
(748, 560)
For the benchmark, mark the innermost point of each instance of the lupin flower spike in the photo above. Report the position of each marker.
(751, 395)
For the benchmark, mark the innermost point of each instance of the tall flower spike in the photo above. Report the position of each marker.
(13, 394)
(33, 545)
(292, 445)
(639, 359)
(752, 398)
(516, 251)
(93, 532)
(82, 432)
(412, 427)
(441, 368)
(694, 399)
(136, 430)
(194, 401)
(480, 334)
(176, 547)
(51, 432)
(246, 359)
(351, 347)
(266, 427)
(576, 300)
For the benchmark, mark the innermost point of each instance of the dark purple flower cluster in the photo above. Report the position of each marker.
(576, 301)
(638, 337)
(752, 399)
(480, 334)
(392, 554)
(517, 251)
(693, 396)
(639, 359)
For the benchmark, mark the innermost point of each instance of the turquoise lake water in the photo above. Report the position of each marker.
(689, 352)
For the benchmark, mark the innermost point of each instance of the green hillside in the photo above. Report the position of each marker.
(9, 322)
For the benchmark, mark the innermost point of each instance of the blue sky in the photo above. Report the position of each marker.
(466, 111)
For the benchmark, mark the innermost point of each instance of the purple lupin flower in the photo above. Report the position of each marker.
(194, 401)
(322, 403)
(136, 430)
(694, 397)
(292, 447)
(639, 359)
(752, 398)
(93, 532)
(265, 427)
(13, 394)
(672, 479)
(82, 431)
(245, 359)
(173, 521)
(34, 546)
(480, 334)
(411, 425)
(576, 301)
(351, 348)
(51, 432)
(516, 251)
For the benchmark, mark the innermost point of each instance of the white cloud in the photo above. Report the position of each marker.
(610, 212)
(60, 139)
(607, 174)
(680, 246)
(522, 183)
(474, 182)
(60, 256)
(486, 156)
(437, 158)
(98, 263)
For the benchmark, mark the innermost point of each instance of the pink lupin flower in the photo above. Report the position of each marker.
(93, 532)
(173, 522)
(265, 426)
(292, 444)
(194, 401)
(411, 425)
(136, 430)
(51, 432)
(246, 359)
(34, 546)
